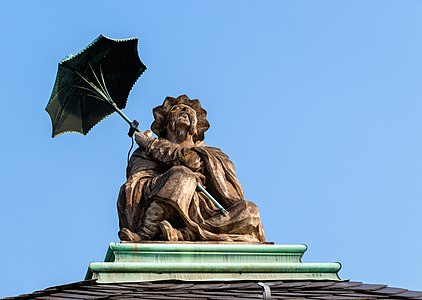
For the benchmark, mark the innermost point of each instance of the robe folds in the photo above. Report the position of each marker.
(161, 185)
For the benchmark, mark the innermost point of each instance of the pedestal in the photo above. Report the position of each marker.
(129, 262)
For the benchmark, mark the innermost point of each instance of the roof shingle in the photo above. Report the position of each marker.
(171, 290)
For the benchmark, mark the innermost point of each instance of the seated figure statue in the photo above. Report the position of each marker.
(160, 200)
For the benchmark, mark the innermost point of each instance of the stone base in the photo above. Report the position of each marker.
(129, 262)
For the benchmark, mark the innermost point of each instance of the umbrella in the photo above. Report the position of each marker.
(93, 84)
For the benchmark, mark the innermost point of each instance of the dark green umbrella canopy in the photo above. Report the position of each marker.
(93, 84)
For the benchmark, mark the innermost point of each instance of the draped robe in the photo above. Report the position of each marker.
(165, 175)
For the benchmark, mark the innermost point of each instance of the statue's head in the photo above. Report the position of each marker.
(182, 112)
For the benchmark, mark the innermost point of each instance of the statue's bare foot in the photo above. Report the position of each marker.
(169, 233)
(126, 235)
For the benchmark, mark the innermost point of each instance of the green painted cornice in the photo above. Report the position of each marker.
(129, 262)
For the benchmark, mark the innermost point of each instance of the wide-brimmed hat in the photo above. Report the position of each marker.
(161, 112)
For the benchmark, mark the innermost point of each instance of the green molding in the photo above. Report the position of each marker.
(208, 247)
(139, 277)
(136, 267)
(204, 252)
(131, 262)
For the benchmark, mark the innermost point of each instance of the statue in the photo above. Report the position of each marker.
(160, 200)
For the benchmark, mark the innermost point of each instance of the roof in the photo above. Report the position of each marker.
(300, 289)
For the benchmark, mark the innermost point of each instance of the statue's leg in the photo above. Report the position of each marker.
(169, 233)
(130, 209)
(126, 219)
(170, 197)
(177, 185)
(153, 216)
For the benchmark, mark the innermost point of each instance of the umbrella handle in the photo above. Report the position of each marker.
(133, 128)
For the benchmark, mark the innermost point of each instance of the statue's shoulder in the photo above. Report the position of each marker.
(139, 161)
(211, 151)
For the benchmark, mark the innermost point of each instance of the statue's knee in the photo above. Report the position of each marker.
(181, 170)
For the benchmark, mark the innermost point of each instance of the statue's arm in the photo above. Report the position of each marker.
(171, 154)
(168, 153)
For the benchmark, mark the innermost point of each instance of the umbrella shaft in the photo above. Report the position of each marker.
(220, 207)
(121, 113)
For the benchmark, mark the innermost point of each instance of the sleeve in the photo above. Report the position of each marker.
(170, 154)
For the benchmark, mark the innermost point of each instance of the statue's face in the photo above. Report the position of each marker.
(182, 117)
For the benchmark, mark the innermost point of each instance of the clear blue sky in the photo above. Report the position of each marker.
(318, 104)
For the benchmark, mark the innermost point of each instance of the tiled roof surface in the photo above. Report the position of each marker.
(331, 290)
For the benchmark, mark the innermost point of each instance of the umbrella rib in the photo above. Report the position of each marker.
(62, 107)
(82, 117)
(100, 86)
(60, 114)
(97, 89)
(98, 96)
(94, 87)
(105, 86)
